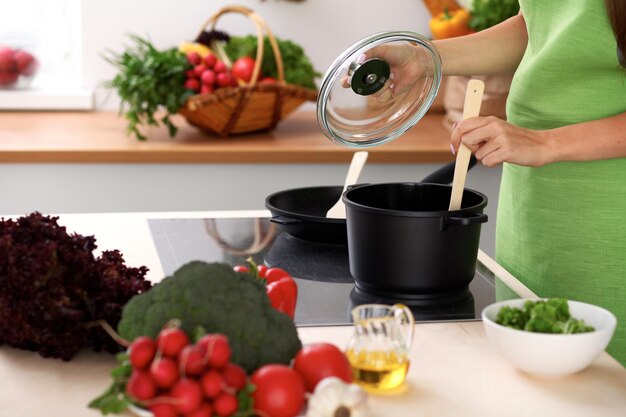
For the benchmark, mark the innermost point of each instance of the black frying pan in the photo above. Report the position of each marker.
(301, 212)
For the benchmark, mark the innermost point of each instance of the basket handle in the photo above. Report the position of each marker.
(261, 26)
(261, 238)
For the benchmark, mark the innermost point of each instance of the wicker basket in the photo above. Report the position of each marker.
(249, 107)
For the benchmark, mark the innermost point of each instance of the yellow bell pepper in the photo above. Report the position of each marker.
(450, 24)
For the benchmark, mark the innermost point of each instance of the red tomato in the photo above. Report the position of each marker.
(317, 361)
(279, 391)
(243, 67)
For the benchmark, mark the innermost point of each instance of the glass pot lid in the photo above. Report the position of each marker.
(378, 88)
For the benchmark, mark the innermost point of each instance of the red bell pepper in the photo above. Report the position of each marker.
(281, 288)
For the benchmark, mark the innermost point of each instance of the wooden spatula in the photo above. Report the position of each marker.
(471, 108)
(338, 211)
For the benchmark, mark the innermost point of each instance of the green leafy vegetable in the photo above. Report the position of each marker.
(149, 81)
(487, 13)
(114, 400)
(220, 300)
(550, 316)
(297, 66)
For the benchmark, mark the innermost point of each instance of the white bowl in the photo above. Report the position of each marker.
(551, 354)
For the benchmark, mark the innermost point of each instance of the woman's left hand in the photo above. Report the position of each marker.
(494, 141)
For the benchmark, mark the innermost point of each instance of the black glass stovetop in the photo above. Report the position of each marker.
(326, 291)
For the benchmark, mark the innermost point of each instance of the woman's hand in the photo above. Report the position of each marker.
(405, 69)
(494, 141)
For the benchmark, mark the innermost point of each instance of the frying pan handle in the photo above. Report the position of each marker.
(285, 221)
(466, 221)
(445, 174)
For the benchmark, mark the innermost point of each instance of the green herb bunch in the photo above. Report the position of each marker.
(487, 13)
(297, 66)
(148, 81)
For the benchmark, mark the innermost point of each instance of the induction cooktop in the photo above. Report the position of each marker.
(326, 291)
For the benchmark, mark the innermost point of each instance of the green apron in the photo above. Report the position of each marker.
(562, 228)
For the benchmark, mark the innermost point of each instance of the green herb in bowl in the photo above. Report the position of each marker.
(544, 316)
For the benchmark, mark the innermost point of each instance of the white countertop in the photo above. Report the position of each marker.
(454, 371)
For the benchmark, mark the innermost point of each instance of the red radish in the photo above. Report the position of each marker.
(187, 395)
(205, 89)
(164, 372)
(142, 351)
(163, 410)
(208, 77)
(234, 376)
(218, 349)
(225, 405)
(190, 74)
(192, 360)
(194, 58)
(171, 341)
(26, 63)
(192, 84)
(212, 382)
(199, 69)
(210, 60)
(224, 79)
(220, 66)
(268, 80)
(205, 410)
(243, 68)
(140, 386)
(241, 268)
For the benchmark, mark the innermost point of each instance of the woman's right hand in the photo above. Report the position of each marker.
(405, 69)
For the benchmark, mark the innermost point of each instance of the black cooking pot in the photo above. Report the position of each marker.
(301, 212)
(403, 242)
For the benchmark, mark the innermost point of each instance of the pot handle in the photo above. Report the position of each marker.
(466, 221)
(285, 221)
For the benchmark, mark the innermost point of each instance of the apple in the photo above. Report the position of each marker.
(7, 61)
(8, 78)
(26, 63)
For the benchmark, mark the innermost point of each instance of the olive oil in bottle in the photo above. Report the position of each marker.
(378, 370)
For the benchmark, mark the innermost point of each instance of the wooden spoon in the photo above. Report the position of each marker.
(338, 211)
(471, 108)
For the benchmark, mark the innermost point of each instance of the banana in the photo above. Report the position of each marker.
(187, 47)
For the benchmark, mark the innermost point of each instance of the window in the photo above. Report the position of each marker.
(50, 30)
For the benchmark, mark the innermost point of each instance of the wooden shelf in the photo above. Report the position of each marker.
(98, 137)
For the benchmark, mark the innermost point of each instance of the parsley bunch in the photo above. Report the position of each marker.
(148, 81)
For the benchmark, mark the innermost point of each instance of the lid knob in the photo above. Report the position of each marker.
(369, 77)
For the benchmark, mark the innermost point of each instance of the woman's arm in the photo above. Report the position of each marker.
(494, 141)
(497, 50)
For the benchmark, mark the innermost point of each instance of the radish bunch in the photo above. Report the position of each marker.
(207, 74)
(173, 377)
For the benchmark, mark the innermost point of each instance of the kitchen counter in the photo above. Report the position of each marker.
(98, 137)
(454, 370)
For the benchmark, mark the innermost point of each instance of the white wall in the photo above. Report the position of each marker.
(324, 28)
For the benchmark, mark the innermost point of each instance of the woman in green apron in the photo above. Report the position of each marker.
(561, 225)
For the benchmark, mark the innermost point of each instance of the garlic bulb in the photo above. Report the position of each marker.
(335, 398)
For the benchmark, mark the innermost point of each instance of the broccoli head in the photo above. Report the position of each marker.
(219, 300)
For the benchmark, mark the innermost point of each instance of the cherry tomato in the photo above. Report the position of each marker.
(317, 361)
(279, 391)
